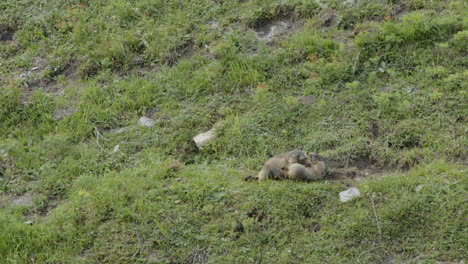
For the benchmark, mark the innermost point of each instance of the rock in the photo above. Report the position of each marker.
(349, 194)
(419, 188)
(116, 148)
(202, 138)
(145, 121)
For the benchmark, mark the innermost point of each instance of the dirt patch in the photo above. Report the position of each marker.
(60, 113)
(6, 164)
(315, 227)
(362, 163)
(375, 130)
(182, 51)
(33, 78)
(357, 168)
(30, 76)
(51, 205)
(271, 29)
(399, 11)
(352, 173)
(154, 256)
(6, 33)
(142, 70)
(346, 37)
(255, 214)
(70, 71)
(26, 199)
(306, 100)
(328, 17)
(198, 255)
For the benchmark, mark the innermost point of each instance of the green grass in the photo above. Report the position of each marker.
(152, 211)
(379, 81)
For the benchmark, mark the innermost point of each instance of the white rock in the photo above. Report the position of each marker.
(145, 121)
(202, 138)
(116, 148)
(349, 194)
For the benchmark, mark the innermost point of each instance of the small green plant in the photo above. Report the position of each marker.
(10, 103)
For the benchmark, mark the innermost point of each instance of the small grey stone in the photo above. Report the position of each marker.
(145, 121)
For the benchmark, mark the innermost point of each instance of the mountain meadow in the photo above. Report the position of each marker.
(100, 102)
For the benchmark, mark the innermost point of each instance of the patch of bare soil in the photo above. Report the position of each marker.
(307, 99)
(32, 79)
(328, 17)
(26, 199)
(359, 168)
(6, 33)
(29, 200)
(399, 11)
(198, 255)
(60, 113)
(272, 29)
(51, 204)
(142, 69)
(346, 37)
(183, 51)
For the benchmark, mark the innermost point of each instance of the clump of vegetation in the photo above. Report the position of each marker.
(377, 85)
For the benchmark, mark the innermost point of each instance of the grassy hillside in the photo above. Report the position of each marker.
(377, 87)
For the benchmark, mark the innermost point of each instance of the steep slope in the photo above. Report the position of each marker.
(377, 87)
